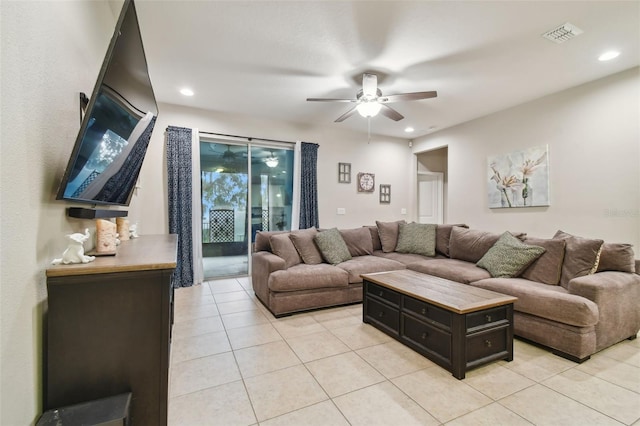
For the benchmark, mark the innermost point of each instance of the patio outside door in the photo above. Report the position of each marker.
(245, 188)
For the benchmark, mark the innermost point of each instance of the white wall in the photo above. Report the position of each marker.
(51, 51)
(593, 133)
(388, 158)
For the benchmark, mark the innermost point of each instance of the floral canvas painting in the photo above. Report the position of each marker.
(519, 179)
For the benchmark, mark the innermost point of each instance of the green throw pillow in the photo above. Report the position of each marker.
(509, 257)
(332, 246)
(417, 238)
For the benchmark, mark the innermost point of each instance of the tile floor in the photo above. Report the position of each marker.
(225, 266)
(233, 363)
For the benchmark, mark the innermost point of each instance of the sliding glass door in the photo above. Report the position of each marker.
(245, 188)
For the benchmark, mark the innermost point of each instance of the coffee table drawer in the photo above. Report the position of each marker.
(428, 312)
(486, 344)
(383, 314)
(486, 318)
(383, 293)
(427, 337)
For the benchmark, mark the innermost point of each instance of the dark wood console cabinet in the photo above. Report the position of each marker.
(108, 328)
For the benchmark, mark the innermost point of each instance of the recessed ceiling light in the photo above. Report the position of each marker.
(186, 92)
(409, 129)
(607, 56)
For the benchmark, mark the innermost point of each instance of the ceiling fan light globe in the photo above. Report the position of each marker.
(271, 161)
(368, 109)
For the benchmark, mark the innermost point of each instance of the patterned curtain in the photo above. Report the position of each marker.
(180, 194)
(309, 186)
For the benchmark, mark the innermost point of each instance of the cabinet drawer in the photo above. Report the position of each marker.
(383, 314)
(486, 317)
(428, 312)
(427, 337)
(383, 293)
(488, 343)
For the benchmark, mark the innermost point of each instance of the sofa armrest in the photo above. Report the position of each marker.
(263, 263)
(617, 295)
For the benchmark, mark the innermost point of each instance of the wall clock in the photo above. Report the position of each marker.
(366, 182)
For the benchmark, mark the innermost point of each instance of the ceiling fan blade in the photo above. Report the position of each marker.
(391, 113)
(369, 85)
(346, 115)
(407, 97)
(330, 100)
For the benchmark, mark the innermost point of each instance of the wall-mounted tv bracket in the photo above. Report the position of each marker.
(82, 213)
(84, 102)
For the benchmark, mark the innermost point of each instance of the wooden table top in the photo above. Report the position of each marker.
(447, 294)
(145, 253)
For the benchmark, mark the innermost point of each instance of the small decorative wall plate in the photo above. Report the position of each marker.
(385, 194)
(344, 172)
(366, 182)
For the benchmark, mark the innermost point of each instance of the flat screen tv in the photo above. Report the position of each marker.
(117, 123)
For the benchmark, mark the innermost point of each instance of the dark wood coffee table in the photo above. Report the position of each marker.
(457, 326)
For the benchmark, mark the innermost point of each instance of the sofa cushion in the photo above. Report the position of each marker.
(368, 265)
(617, 257)
(405, 258)
(546, 301)
(509, 256)
(281, 245)
(470, 244)
(417, 238)
(263, 240)
(580, 256)
(451, 269)
(332, 246)
(443, 236)
(358, 241)
(388, 232)
(306, 246)
(307, 277)
(548, 267)
(375, 237)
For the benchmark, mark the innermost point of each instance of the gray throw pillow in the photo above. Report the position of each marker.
(375, 237)
(304, 243)
(443, 236)
(417, 238)
(358, 240)
(617, 257)
(282, 246)
(509, 256)
(332, 246)
(388, 232)
(581, 256)
(470, 244)
(548, 267)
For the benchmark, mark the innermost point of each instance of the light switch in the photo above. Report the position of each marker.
(341, 210)
(403, 211)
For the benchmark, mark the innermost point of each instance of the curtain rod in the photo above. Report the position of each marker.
(249, 138)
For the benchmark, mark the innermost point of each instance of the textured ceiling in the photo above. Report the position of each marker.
(264, 58)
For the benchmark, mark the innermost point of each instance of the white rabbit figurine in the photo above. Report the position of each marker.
(75, 250)
(133, 230)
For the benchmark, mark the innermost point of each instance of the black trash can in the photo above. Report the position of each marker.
(110, 411)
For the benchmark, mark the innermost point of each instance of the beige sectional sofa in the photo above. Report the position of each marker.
(577, 297)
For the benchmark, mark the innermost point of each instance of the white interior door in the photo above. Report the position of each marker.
(430, 197)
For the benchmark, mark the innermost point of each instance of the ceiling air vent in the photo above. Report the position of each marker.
(562, 33)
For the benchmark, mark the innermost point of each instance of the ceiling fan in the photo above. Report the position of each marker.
(369, 100)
